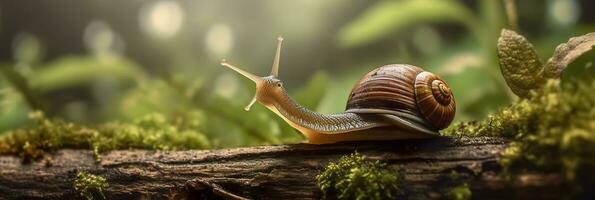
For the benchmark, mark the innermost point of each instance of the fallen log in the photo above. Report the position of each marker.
(269, 172)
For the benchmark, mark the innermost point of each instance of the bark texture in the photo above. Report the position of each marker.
(268, 172)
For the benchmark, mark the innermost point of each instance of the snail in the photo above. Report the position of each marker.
(395, 101)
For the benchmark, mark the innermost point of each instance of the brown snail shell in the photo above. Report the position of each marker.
(406, 91)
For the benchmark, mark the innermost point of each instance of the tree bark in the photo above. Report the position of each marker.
(269, 172)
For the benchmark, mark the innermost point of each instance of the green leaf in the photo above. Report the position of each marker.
(255, 125)
(152, 95)
(13, 109)
(387, 17)
(519, 63)
(21, 84)
(567, 52)
(73, 71)
(311, 94)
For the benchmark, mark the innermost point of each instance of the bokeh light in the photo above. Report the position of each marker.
(27, 51)
(226, 85)
(26, 48)
(100, 39)
(219, 39)
(161, 19)
(564, 12)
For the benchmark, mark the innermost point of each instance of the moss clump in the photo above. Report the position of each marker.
(89, 185)
(552, 107)
(461, 190)
(553, 132)
(353, 177)
(149, 132)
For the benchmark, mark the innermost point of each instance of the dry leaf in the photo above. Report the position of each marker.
(565, 53)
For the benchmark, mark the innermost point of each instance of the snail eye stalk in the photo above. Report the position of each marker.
(247, 108)
(258, 79)
(248, 75)
(275, 68)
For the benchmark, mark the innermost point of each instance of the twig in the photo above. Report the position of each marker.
(511, 13)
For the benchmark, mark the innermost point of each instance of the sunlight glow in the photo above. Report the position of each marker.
(564, 12)
(26, 48)
(161, 19)
(226, 85)
(99, 38)
(219, 39)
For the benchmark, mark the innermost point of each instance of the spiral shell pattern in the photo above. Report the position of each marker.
(434, 99)
(417, 96)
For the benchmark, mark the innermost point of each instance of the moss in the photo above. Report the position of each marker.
(150, 132)
(89, 185)
(553, 131)
(460, 192)
(354, 177)
(457, 186)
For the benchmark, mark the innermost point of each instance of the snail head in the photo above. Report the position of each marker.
(268, 87)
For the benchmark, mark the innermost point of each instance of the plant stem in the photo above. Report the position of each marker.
(21, 84)
(512, 14)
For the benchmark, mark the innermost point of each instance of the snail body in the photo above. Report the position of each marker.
(396, 101)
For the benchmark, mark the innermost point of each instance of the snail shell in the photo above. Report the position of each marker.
(405, 91)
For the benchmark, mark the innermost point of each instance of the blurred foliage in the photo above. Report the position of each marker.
(354, 177)
(13, 109)
(386, 17)
(72, 71)
(460, 188)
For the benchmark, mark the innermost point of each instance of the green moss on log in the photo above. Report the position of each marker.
(89, 185)
(459, 192)
(553, 131)
(459, 189)
(149, 132)
(354, 177)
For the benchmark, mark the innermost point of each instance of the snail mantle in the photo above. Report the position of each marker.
(268, 172)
